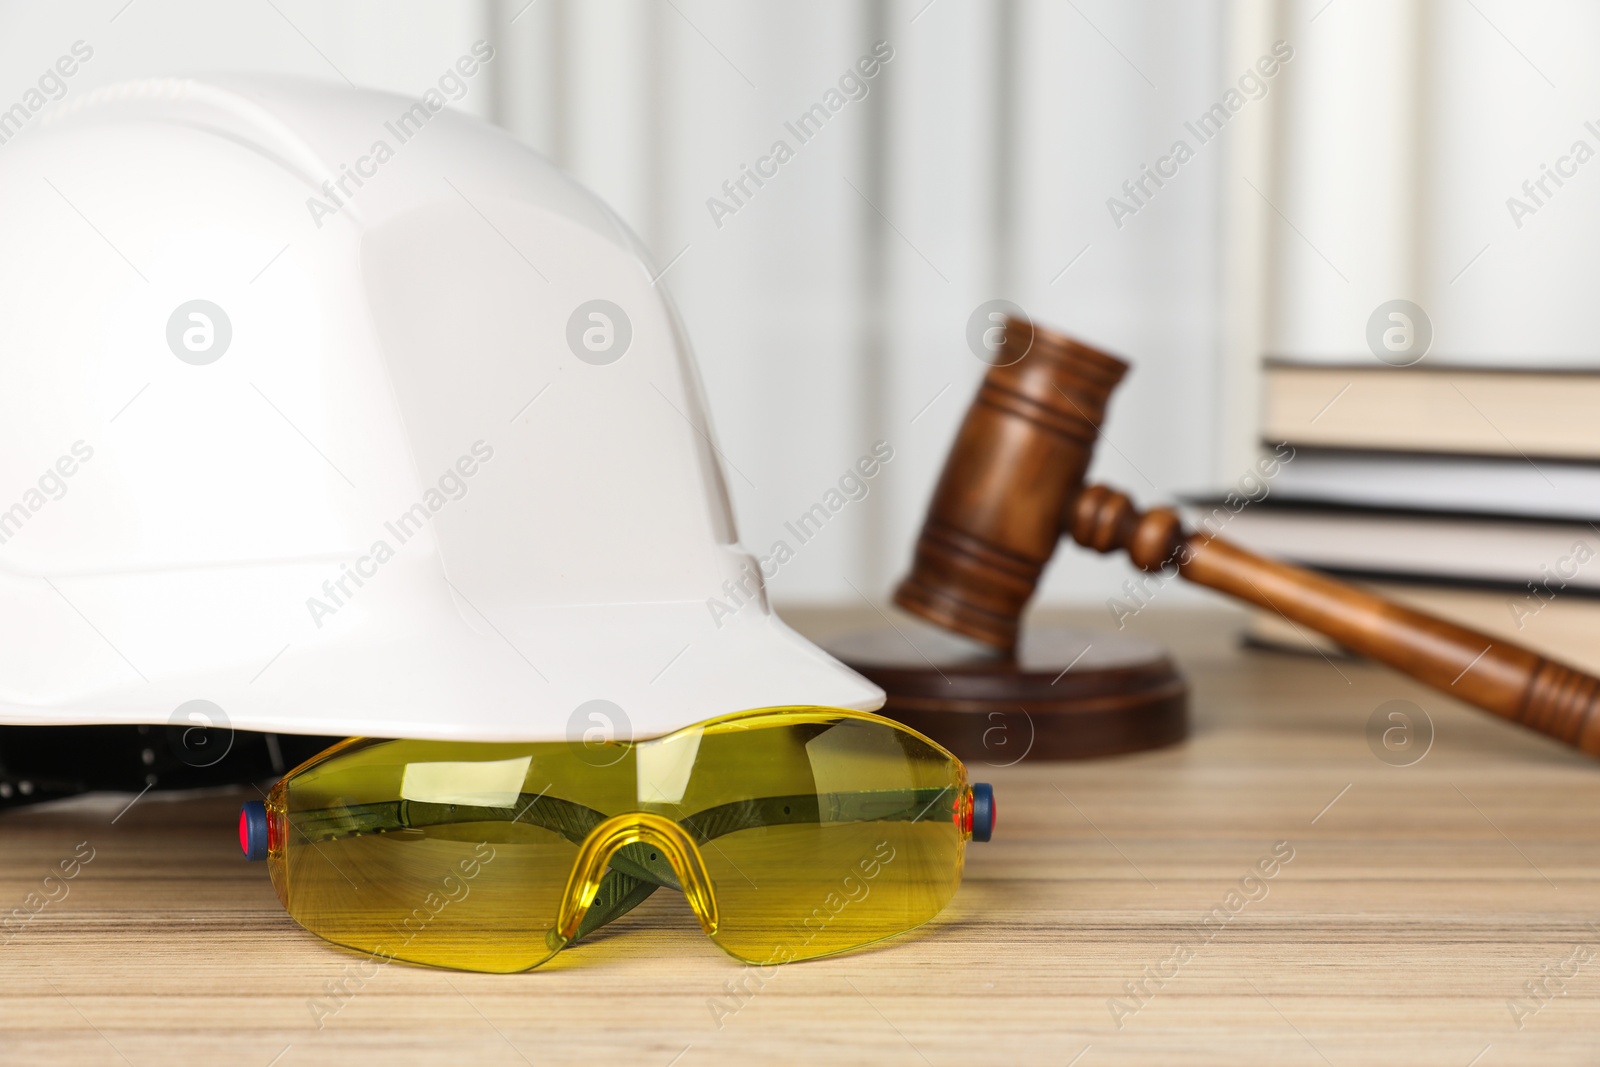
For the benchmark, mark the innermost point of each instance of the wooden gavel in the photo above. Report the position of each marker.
(1013, 484)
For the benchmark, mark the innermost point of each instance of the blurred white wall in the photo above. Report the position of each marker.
(829, 311)
(1406, 132)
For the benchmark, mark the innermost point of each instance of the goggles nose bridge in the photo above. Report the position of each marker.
(618, 832)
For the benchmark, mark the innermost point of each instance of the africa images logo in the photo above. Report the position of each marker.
(199, 332)
(453, 83)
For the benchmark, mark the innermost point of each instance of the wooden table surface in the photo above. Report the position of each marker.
(1445, 912)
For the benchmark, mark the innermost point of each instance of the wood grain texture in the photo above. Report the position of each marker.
(1019, 457)
(1418, 903)
(1065, 694)
(1491, 672)
(1013, 482)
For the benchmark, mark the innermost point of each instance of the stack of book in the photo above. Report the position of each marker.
(1473, 494)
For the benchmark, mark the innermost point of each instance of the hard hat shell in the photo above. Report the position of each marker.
(353, 415)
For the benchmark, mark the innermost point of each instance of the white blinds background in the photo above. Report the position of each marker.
(829, 310)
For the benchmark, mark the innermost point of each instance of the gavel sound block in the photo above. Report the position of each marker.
(1013, 485)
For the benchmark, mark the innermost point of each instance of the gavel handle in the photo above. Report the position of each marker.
(1496, 675)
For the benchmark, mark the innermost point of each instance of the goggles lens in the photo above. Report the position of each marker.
(794, 833)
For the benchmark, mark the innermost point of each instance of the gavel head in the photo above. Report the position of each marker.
(1016, 465)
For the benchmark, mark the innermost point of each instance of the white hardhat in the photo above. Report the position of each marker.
(351, 415)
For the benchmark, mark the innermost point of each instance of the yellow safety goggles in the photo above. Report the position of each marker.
(794, 833)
